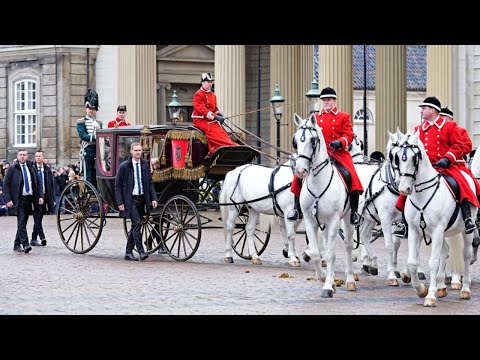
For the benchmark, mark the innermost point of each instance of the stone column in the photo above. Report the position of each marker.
(162, 114)
(390, 92)
(230, 82)
(439, 73)
(3, 112)
(336, 71)
(289, 69)
(137, 86)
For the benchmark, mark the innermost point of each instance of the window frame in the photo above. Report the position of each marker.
(26, 113)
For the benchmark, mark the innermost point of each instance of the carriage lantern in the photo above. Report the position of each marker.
(313, 97)
(277, 104)
(174, 108)
(146, 140)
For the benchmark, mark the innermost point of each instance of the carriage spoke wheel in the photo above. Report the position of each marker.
(180, 228)
(260, 238)
(149, 231)
(82, 224)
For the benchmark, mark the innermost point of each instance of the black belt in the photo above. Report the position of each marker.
(138, 196)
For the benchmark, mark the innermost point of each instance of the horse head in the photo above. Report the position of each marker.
(407, 162)
(356, 148)
(308, 141)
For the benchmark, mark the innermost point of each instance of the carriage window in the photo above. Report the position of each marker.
(123, 147)
(105, 147)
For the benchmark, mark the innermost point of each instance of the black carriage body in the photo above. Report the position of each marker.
(113, 147)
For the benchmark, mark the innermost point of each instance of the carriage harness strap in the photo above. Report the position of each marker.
(423, 225)
(272, 192)
(389, 184)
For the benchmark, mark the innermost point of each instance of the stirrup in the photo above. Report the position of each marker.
(401, 230)
(294, 215)
(354, 218)
(469, 226)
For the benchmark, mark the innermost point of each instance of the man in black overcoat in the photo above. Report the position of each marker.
(135, 194)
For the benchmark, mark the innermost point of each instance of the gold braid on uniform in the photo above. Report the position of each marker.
(187, 173)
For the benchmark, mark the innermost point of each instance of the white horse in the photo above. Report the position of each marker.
(324, 202)
(250, 184)
(428, 211)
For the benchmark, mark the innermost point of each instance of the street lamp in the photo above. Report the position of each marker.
(313, 97)
(174, 108)
(277, 105)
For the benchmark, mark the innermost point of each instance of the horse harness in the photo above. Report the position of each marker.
(271, 192)
(435, 183)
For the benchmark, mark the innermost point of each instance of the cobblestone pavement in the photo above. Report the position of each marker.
(53, 280)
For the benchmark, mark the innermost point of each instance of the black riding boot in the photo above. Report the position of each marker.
(467, 217)
(402, 228)
(296, 213)
(354, 216)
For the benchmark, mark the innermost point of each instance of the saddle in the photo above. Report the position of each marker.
(347, 178)
(453, 186)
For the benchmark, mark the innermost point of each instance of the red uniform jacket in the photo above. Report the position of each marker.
(336, 125)
(204, 110)
(117, 122)
(445, 139)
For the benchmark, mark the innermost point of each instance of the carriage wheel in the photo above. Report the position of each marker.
(150, 232)
(240, 245)
(82, 224)
(180, 228)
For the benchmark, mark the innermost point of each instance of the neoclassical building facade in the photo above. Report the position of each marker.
(42, 88)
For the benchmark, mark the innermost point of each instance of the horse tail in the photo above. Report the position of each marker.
(455, 254)
(224, 208)
(265, 222)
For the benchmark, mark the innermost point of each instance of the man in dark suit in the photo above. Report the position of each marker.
(46, 183)
(135, 194)
(22, 195)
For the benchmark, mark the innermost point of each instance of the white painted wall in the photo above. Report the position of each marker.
(107, 82)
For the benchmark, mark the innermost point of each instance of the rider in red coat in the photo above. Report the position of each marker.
(338, 133)
(444, 143)
(207, 117)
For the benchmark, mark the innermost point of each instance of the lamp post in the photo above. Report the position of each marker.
(277, 105)
(313, 97)
(365, 113)
(174, 108)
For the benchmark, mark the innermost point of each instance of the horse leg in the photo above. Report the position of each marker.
(434, 264)
(414, 242)
(392, 250)
(290, 232)
(331, 234)
(369, 261)
(253, 216)
(441, 286)
(349, 277)
(467, 257)
(311, 229)
(229, 215)
(283, 231)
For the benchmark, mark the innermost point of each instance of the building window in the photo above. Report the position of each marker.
(359, 115)
(25, 113)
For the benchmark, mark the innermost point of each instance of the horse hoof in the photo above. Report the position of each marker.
(441, 293)
(326, 293)
(406, 278)
(355, 277)
(305, 257)
(228, 259)
(365, 269)
(464, 295)
(456, 286)
(429, 302)
(397, 274)
(448, 280)
(351, 286)
(421, 276)
(373, 271)
(393, 282)
(423, 291)
(256, 261)
(285, 253)
(294, 263)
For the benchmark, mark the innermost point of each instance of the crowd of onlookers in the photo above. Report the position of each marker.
(62, 174)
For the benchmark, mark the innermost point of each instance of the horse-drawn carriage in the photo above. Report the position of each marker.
(184, 178)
